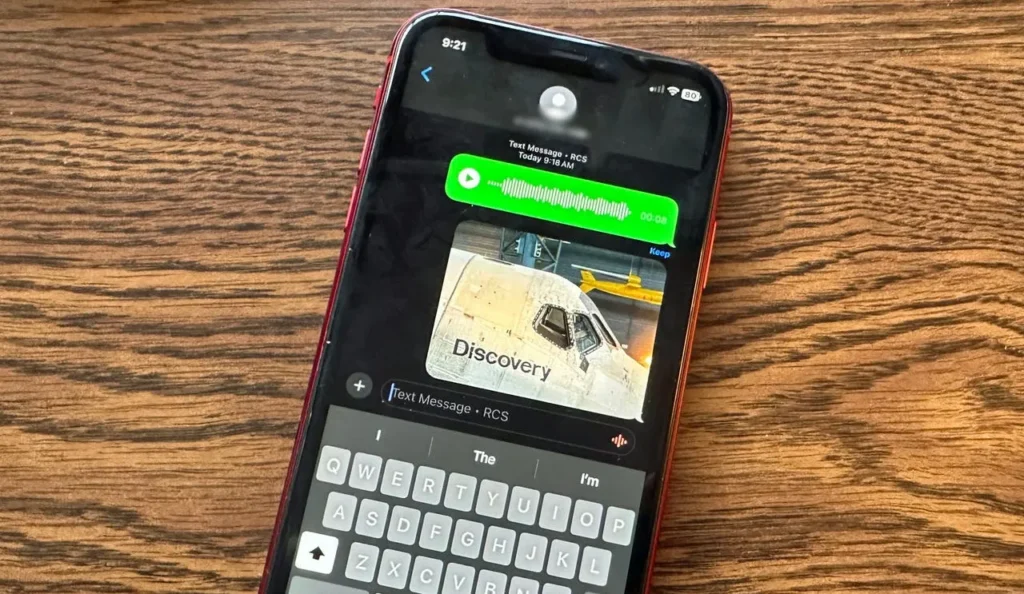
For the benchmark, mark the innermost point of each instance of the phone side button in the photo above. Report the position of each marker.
(351, 209)
(363, 156)
(376, 96)
(711, 250)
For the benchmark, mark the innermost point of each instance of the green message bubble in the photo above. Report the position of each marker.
(562, 199)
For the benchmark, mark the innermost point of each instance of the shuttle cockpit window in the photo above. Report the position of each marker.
(552, 325)
(586, 336)
(605, 331)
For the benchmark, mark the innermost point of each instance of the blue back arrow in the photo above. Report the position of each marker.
(425, 73)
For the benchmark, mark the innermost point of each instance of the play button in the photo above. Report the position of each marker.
(469, 178)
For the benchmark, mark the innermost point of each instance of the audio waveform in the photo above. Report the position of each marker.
(517, 188)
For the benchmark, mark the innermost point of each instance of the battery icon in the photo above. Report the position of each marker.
(690, 95)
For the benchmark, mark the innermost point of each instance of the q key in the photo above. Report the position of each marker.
(333, 465)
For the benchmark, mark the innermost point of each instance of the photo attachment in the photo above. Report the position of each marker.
(546, 319)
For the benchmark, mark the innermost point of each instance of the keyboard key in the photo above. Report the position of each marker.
(394, 569)
(373, 516)
(316, 552)
(397, 479)
(429, 482)
(563, 558)
(459, 495)
(458, 579)
(530, 553)
(499, 545)
(362, 562)
(523, 586)
(333, 465)
(426, 576)
(304, 585)
(523, 508)
(436, 531)
(493, 496)
(554, 589)
(594, 566)
(491, 582)
(404, 521)
(340, 512)
(618, 526)
(365, 472)
(466, 542)
(586, 519)
(554, 512)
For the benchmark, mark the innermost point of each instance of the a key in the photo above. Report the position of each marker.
(428, 486)
(436, 531)
(397, 479)
(523, 586)
(372, 518)
(562, 559)
(491, 502)
(362, 562)
(458, 579)
(365, 472)
(404, 521)
(618, 525)
(491, 582)
(466, 540)
(394, 569)
(522, 508)
(303, 585)
(426, 576)
(333, 465)
(340, 512)
(459, 495)
(316, 552)
(499, 544)
(554, 512)
(594, 566)
(586, 519)
(530, 552)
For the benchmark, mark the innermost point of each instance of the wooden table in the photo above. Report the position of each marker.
(173, 180)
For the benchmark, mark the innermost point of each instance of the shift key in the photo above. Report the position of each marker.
(304, 585)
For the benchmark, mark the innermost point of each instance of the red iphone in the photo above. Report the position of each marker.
(494, 401)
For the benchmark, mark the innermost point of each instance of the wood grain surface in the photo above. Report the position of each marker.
(173, 181)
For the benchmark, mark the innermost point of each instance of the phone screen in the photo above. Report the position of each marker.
(498, 382)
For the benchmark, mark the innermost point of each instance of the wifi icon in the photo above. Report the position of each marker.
(673, 91)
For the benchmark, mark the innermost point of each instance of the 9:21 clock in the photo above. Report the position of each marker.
(453, 44)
